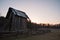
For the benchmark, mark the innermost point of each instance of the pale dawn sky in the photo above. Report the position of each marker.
(39, 11)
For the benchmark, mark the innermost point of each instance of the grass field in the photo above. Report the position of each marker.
(54, 35)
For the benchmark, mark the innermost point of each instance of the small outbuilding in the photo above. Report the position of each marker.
(17, 20)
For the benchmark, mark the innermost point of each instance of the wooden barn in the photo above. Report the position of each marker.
(15, 22)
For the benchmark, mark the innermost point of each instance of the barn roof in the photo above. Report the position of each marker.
(19, 13)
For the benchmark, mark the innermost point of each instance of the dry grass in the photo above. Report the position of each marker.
(47, 36)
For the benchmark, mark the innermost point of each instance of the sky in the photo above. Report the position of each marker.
(39, 11)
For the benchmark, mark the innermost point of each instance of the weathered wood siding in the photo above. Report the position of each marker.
(18, 23)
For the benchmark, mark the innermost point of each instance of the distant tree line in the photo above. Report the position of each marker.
(32, 25)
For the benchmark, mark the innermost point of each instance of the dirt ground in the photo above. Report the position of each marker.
(54, 35)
